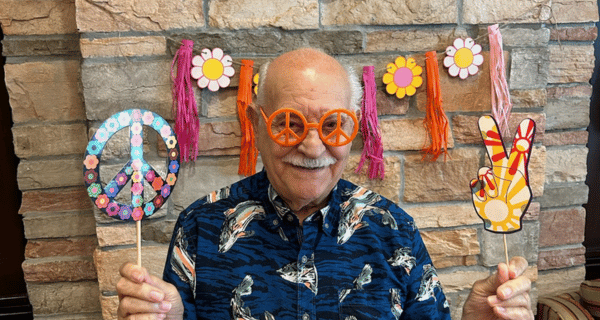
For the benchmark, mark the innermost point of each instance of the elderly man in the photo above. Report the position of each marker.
(295, 241)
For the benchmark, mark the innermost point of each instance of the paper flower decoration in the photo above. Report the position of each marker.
(255, 81)
(463, 58)
(212, 69)
(403, 77)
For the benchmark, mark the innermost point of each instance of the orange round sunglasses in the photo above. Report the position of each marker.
(288, 127)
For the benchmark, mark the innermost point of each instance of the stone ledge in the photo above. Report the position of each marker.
(569, 90)
(564, 194)
(29, 17)
(443, 216)
(561, 226)
(561, 258)
(529, 68)
(33, 88)
(388, 12)
(51, 45)
(414, 40)
(116, 234)
(49, 139)
(123, 47)
(285, 14)
(55, 173)
(109, 88)
(55, 200)
(447, 180)
(59, 269)
(79, 316)
(574, 33)
(270, 41)
(466, 128)
(64, 298)
(488, 12)
(566, 164)
(571, 63)
(563, 138)
(149, 15)
(460, 243)
(83, 246)
(567, 113)
(59, 225)
(407, 134)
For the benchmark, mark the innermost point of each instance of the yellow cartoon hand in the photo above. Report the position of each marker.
(501, 194)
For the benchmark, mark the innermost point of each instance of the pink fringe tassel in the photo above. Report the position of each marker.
(187, 123)
(373, 147)
(501, 105)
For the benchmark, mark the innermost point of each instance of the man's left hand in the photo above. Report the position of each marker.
(503, 295)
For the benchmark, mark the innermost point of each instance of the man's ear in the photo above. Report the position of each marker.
(252, 114)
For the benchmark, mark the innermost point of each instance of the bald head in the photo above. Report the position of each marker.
(307, 64)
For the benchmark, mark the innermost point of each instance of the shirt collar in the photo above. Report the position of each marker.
(282, 209)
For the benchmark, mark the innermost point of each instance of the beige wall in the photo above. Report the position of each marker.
(71, 64)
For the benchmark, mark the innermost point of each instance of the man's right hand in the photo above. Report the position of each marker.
(144, 296)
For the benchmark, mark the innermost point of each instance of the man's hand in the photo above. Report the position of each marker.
(503, 295)
(144, 296)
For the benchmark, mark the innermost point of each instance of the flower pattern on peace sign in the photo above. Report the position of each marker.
(137, 169)
(501, 194)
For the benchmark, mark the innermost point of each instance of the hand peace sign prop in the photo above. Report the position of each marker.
(137, 169)
(501, 194)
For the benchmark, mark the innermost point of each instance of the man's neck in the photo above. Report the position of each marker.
(307, 210)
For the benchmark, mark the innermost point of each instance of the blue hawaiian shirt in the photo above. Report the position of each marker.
(240, 253)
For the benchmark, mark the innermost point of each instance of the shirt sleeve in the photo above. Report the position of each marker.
(180, 264)
(425, 297)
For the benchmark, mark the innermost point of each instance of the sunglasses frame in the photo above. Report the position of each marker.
(287, 132)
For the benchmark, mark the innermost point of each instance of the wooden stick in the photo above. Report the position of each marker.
(138, 227)
(505, 249)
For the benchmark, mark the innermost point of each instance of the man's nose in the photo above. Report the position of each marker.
(312, 146)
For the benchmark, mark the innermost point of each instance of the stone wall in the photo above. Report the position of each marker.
(73, 63)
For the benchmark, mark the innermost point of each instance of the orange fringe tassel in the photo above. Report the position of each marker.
(248, 152)
(436, 122)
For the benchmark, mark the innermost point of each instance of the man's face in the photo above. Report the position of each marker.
(304, 174)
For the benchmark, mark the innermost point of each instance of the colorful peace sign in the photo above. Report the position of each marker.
(137, 169)
(501, 194)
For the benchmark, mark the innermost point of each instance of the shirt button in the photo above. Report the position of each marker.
(290, 218)
(304, 259)
(275, 222)
(326, 225)
(306, 317)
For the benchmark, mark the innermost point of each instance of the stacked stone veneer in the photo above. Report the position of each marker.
(71, 64)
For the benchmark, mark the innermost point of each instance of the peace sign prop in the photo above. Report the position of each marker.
(501, 194)
(137, 169)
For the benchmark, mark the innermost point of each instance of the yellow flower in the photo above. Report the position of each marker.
(255, 80)
(403, 77)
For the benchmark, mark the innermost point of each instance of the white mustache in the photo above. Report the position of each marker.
(301, 161)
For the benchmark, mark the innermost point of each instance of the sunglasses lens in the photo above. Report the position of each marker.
(287, 127)
(338, 128)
